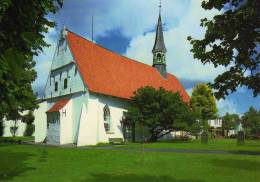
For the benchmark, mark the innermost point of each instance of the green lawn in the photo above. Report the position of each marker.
(39, 163)
(226, 145)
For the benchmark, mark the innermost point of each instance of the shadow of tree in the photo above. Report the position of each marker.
(43, 154)
(99, 177)
(13, 164)
(245, 152)
(237, 164)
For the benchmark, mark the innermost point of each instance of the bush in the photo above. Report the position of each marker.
(29, 130)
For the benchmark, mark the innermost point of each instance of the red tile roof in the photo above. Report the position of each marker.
(58, 105)
(108, 73)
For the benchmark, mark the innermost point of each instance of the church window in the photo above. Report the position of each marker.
(60, 76)
(56, 86)
(159, 55)
(107, 119)
(65, 83)
(75, 72)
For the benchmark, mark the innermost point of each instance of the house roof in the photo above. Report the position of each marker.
(58, 105)
(108, 73)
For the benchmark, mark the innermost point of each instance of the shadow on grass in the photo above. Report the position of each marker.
(100, 177)
(237, 164)
(13, 164)
(43, 154)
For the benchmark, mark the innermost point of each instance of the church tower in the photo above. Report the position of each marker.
(159, 49)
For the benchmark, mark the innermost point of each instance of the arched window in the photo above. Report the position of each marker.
(107, 119)
(159, 55)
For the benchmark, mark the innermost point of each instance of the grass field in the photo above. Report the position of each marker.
(226, 145)
(41, 163)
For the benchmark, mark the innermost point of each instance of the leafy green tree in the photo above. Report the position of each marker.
(231, 40)
(158, 111)
(195, 129)
(251, 121)
(229, 122)
(29, 119)
(203, 103)
(23, 23)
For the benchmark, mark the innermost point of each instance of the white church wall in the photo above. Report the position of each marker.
(66, 123)
(116, 107)
(88, 123)
(91, 128)
(78, 100)
(62, 55)
(74, 81)
(63, 67)
(40, 122)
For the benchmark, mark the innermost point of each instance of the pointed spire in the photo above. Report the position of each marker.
(159, 45)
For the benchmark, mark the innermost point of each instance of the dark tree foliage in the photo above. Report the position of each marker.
(29, 119)
(158, 111)
(23, 23)
(231, 40)
(1, 128)
(29, 130)
(229, 122)
(251, 122)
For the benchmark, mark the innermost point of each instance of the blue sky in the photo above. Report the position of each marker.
(127, 27)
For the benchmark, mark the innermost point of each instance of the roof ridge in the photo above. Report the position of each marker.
(130, 59)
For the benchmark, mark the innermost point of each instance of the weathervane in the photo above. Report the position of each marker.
(160, 6)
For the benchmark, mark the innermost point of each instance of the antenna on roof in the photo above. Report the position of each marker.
(92, 28)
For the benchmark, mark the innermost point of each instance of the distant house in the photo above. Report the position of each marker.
(88, 89)
(215, 127)
(215, 123)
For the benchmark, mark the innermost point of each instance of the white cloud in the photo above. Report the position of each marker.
(180, 60)
(225, 106)
(134, 17)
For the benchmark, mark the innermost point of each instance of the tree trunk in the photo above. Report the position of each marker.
(15, 123)
(133, 132)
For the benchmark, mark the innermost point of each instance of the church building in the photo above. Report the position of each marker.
(89, 87)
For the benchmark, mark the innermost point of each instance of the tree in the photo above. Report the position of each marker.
(23, 23)
(159, 111)
(229, 122)
(1, 128)
(15, 116)
(203, 103)
(29, 119)
(231, 40)
(251, 121)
